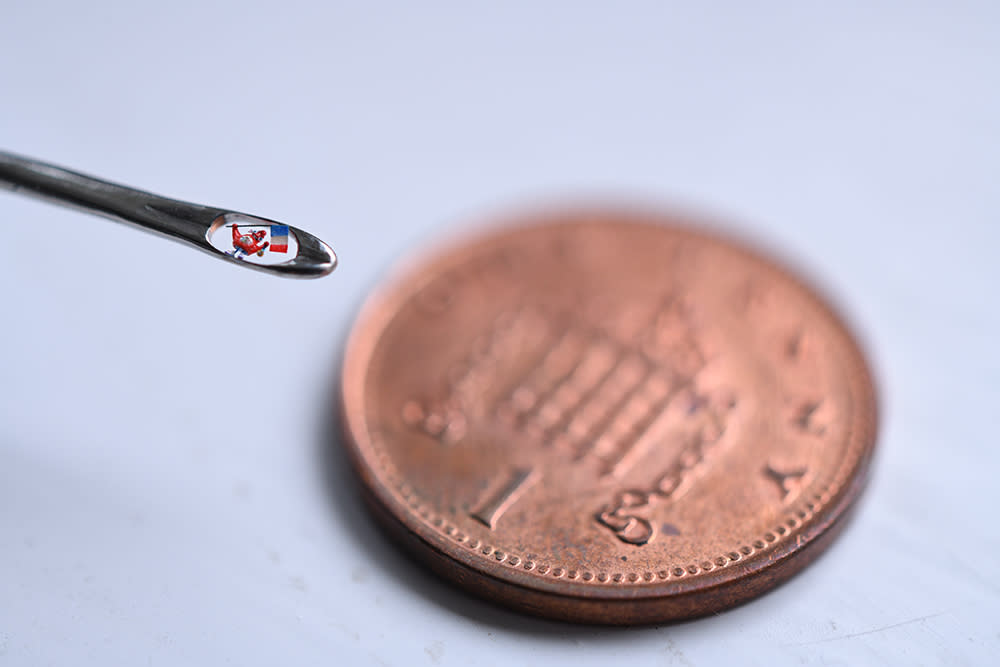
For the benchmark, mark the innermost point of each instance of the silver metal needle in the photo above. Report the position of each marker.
(248, 240)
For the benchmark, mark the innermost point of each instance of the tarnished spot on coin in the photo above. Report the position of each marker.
(607, 417)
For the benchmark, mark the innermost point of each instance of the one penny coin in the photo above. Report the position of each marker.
(607, 417)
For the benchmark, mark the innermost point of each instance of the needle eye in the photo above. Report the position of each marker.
(271, 244)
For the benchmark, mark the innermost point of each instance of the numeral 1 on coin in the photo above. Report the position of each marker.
(514, 483)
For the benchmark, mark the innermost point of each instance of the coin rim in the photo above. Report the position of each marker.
(659, 599)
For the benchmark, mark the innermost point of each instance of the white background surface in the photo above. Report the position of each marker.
(138, 527)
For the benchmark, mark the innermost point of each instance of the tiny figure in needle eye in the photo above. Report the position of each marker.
(248, 243)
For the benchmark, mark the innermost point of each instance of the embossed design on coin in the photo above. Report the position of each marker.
(602, 417)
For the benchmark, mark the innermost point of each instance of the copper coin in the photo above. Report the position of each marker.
(607, 417)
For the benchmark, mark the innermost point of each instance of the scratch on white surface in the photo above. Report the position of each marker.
(353, 634)
(883, 628)
(435, 651)
(298, 582)
(676, 655)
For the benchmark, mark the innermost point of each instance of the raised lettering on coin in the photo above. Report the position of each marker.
(492, 507)
(786, 479)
